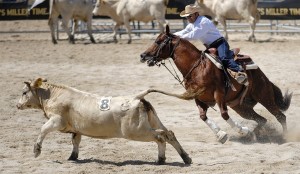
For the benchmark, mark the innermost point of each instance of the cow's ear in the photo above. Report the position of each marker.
(167, 29)
(27, 83)
(38, 82)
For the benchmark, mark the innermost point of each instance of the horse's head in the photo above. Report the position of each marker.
(161, 49)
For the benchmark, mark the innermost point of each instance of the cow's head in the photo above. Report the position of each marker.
(30, 97)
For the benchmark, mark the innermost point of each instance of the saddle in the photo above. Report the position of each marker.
(244, 60)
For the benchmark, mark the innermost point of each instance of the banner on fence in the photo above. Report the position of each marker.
(279, 9)
(269, 9)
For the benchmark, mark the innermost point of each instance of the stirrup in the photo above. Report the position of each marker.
(240, 77)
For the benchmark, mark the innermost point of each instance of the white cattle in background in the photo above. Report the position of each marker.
(220, 10)
(69, 10)
(124, 11)
(73, 111)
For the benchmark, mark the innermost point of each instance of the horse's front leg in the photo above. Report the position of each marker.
(244, 131)
(54, 123)
(221, 135)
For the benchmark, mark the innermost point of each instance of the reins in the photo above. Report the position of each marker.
(175, 75)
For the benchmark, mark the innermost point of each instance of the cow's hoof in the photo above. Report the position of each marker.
(129, 41)
(37, 150)
(222, 136)
(74, 156)
(93, 40)
(72, 40)
(186, 159)
(161, 161)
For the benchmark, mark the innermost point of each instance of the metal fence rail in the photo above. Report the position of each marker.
(107, 25)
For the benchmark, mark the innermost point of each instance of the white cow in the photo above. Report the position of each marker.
(69, 10)
(124, 11)
(221, 10)
(72, 111)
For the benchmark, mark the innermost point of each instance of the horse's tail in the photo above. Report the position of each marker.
(283, 102)
(184, 96)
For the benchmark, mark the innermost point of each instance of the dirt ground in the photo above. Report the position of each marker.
(114, 69)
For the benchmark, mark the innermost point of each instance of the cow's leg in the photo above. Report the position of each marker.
(161, 143)
(252, 23)
(65, 21)
(162, 24)
(89, 27)
(171, 138)
(76, 138)
(74, 28)
(127, 25)
(116, 27)
(221, 135)
(223, 22)
(53, 22)
(161, 131)
(54, 123)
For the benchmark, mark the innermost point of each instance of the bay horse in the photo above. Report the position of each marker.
(205, 83)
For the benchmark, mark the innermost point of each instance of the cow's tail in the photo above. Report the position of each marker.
(185, 96)
(51, 3)
(166, 2)
(283, 102)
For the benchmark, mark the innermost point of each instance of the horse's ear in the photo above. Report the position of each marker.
(167, 29)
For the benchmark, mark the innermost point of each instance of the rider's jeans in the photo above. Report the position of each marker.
(226, 56)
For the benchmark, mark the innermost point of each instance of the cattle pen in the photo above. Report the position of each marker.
(110, 69)
(105, 26)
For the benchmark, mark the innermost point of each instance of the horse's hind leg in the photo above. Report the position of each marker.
(221, 135)
(247, 112)
(273, 109)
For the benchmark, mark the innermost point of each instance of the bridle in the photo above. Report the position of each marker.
(168, 41)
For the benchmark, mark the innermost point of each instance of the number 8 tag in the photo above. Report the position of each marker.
(104, 103)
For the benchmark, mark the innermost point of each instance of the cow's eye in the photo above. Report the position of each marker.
(24, 93)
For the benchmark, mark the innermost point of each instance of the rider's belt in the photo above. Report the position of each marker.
(215, 43)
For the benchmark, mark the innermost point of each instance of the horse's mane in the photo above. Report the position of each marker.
(188, 43)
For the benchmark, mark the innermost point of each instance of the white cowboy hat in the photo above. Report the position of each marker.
(189, 9)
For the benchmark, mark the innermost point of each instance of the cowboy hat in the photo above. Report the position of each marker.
(189, 9)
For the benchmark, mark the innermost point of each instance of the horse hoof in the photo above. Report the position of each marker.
(252, 136)
(222, 136)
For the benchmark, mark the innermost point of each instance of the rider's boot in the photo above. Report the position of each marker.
(240, 77)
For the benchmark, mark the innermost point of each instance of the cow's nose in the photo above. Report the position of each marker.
(143, 55)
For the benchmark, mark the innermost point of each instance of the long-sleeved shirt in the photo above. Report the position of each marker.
(202, 29)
